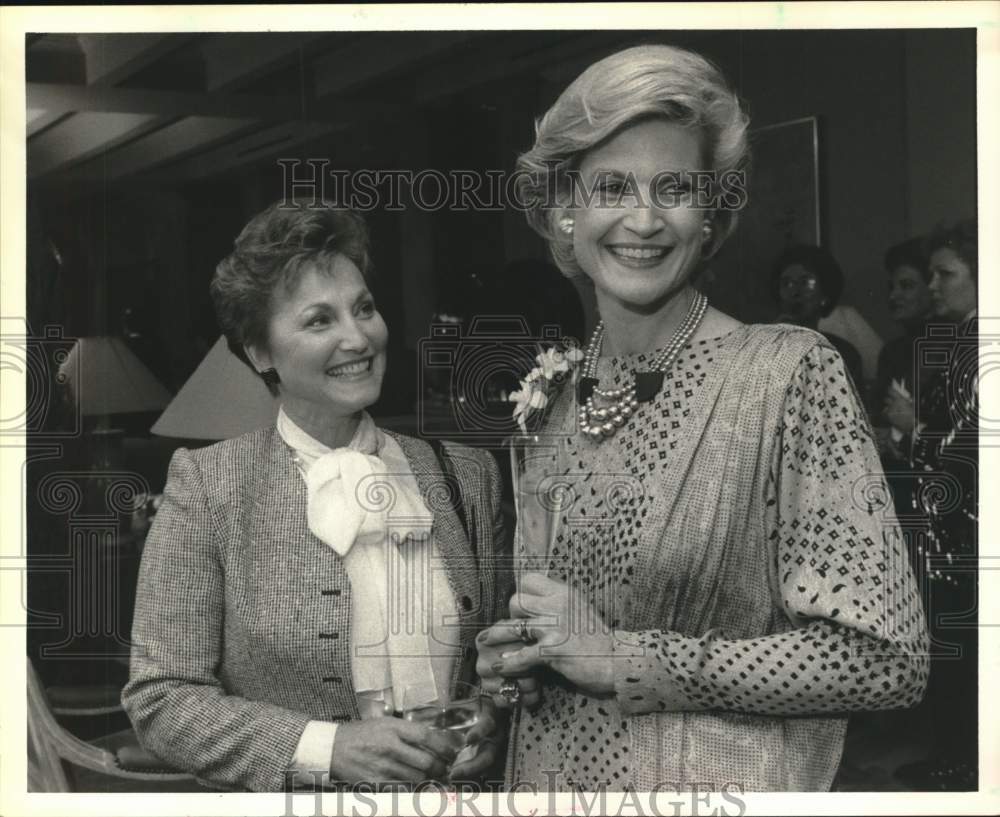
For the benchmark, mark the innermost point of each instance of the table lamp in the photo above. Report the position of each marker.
(105, 377)
(223, 399)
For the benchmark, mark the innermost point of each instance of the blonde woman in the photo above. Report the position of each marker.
(715, 628)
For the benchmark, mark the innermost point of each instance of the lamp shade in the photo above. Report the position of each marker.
(105, 377)
(221, 400)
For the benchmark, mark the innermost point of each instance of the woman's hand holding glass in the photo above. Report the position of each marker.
(570, 637)
(390, 750)
(482, 746)
(466, 723)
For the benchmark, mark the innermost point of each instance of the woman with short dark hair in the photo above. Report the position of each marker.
(806, 283)
(304, 583)
(898, 363)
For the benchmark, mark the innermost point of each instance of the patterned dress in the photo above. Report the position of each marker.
(737, 538)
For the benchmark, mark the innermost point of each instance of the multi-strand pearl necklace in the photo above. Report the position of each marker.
(598, 423)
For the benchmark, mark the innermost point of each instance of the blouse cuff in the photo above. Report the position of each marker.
(643, 682)
(314, 751)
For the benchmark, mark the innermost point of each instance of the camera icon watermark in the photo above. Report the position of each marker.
(45, 363)
(466, 378)
(953, 363)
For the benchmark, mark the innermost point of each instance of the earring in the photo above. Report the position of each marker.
(270, 377)
(566, 225)
(706, 230)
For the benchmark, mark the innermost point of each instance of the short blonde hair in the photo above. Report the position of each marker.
(637, 83)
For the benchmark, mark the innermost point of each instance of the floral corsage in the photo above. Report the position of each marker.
(555, 365)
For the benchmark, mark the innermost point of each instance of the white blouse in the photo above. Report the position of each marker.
(365, 504)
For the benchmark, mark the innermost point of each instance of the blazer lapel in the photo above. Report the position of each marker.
(284, 499)
(460, 566)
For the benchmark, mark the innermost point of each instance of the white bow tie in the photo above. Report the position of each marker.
(353, 498)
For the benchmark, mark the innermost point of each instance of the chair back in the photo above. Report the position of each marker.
(50, 744)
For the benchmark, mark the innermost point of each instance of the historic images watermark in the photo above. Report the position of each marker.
(431, 799)
(313, 183)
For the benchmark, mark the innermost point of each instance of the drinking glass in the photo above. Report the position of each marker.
(538, 502)
(454, 718)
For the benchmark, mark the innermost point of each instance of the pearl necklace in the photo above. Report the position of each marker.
(601, 423)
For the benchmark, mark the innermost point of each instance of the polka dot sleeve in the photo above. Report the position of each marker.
(855, 637)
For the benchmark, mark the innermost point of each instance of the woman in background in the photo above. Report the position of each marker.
(806, 283)
(276, 632)
(945, 464)
(911, 306)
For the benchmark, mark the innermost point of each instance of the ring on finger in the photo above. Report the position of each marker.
(521, 629)
(510, 692)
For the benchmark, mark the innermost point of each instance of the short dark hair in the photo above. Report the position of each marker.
(962, 238)
(271, 251)
(909, 253)
(818, 260)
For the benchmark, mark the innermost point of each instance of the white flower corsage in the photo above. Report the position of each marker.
(555, 364)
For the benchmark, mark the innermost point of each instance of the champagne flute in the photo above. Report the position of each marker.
(533, 465)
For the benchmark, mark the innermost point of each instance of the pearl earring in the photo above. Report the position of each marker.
(566, 225)
(706, 230)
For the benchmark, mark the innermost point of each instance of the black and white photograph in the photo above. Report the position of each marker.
(499, 410)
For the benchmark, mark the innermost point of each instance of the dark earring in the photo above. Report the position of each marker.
(270, 377)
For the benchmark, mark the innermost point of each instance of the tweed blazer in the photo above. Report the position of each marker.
(242, 622)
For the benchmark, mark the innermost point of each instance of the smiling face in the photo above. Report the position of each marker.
(909, 296)
(636, 253)
(952, 285)
(327, 342)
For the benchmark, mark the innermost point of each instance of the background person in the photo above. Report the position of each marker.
(806, 283)
(911, 306)
(945, 464)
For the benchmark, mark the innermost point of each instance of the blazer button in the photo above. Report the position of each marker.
(466, 603)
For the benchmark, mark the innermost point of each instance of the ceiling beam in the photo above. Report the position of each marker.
(111, 58)
(496, 62)
(55, 58)
(37, 120)
(61, 99)
(370, 59)
(493, 60)
(164, 145)
(204, 119)
(82, 136)
(232, 59)
(250, 148)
